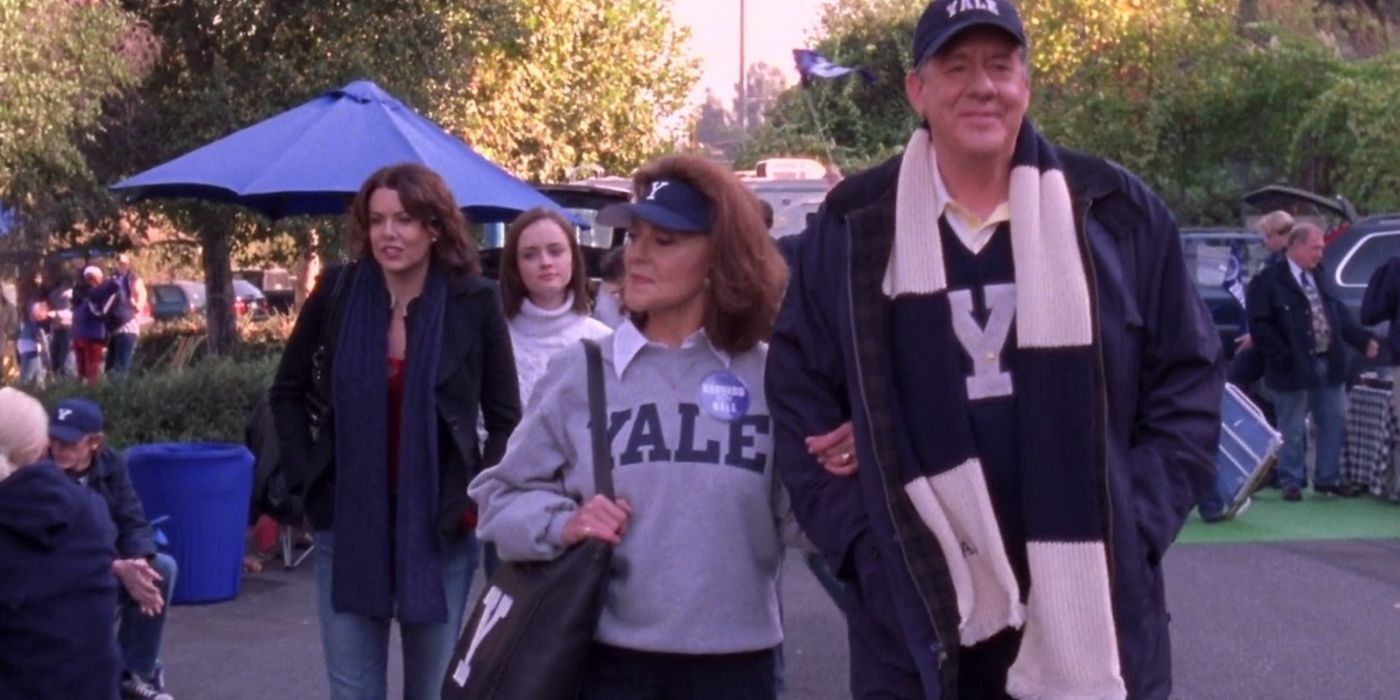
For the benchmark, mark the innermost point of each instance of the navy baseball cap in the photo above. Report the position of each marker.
(944, 19)
(671, 204)
(74, 419)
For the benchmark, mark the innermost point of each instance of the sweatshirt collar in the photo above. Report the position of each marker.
(628, 342)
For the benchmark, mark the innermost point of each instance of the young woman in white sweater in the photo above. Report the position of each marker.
(545, 290)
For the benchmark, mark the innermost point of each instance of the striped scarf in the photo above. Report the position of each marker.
(1069, 645)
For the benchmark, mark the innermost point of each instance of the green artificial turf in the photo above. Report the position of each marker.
(1271, 519)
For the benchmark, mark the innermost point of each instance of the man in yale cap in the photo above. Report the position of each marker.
(1035, 388)
(77, 444)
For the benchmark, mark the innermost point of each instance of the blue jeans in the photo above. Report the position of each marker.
(357, 647)
(139, 635)
(31, 369)
(120, 348)
(1328, 406)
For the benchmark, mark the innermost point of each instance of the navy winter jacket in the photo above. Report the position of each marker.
(58, 596)
(1382, 303)
(1280, 321)
(110, 479)
(1163, 376)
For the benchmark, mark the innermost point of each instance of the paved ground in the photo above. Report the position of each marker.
(1278, 620)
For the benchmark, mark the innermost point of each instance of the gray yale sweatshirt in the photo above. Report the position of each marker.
(696, 571)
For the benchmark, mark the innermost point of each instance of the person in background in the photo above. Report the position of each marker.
(1300, 328)
(126, 316)
(58, 599)
(9, 325)
(93, 301)
(1381, 304)
(415, 345)
(29, 343)
(697, 522)
(58, 297)
(1247, 366)
(610, 307)
(77, 445)
(545, 290)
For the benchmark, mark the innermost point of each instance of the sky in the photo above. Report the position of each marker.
(774, 28)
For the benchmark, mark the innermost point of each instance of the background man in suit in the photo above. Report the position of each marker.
(1299, 325)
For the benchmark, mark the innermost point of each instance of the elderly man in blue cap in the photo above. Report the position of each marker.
(77, 445)
(1035, 387)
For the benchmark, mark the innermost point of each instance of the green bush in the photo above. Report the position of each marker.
(206, 402)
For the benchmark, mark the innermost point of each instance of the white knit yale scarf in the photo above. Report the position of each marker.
(1069, 646)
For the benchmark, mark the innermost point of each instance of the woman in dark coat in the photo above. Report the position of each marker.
(58, 597)
(376, 403)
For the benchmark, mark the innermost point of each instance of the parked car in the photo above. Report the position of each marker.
(278, 287)
(186, 298)
(249, 301)
(1212, 255)
(1356, 247)
(583, 200)
(170, 300)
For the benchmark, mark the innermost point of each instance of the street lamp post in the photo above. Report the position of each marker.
(743, 73)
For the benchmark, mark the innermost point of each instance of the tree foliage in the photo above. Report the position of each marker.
(95, 90)
(1202, 106)
(557, 84)
(58, 61)
(1350, 135)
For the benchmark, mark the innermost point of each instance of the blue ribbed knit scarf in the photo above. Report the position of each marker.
(373, 575)
(1069, 646)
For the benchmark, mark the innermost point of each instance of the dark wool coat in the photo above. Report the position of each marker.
(1162, 380)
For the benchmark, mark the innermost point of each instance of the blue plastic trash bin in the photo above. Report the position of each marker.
(204, 489)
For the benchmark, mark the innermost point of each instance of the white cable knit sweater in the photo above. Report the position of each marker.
(537, 334)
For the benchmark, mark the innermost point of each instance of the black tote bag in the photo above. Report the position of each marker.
(530, 633)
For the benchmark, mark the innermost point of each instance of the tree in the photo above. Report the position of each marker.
(765, 85)
(1202, 106)
(849, 121)
(716, 128)
(59, 61)
(227, 64)
(555, 85)
(1348, 141)
(538, 86)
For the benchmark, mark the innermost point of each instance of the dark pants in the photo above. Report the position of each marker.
(120, 348)
(982, 668)
(60, 347)
(624, 674)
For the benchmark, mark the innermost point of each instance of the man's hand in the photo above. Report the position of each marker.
(1243, 342)
(1372, 349)
(835, 450)
(140, 581)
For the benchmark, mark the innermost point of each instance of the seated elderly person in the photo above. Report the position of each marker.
(58, 598)
(147, 576)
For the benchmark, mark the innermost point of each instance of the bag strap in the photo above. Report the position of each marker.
(330, 328)
(598, 419)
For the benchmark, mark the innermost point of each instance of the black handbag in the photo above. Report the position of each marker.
(530, 634)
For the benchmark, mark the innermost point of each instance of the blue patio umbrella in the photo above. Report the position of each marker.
(313, 158)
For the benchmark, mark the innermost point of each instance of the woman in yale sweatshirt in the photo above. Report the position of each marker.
(698, 522)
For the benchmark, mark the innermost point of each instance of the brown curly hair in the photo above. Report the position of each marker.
(747, 274)
(425, 197)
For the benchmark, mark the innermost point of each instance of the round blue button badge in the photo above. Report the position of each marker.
(724, 397)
